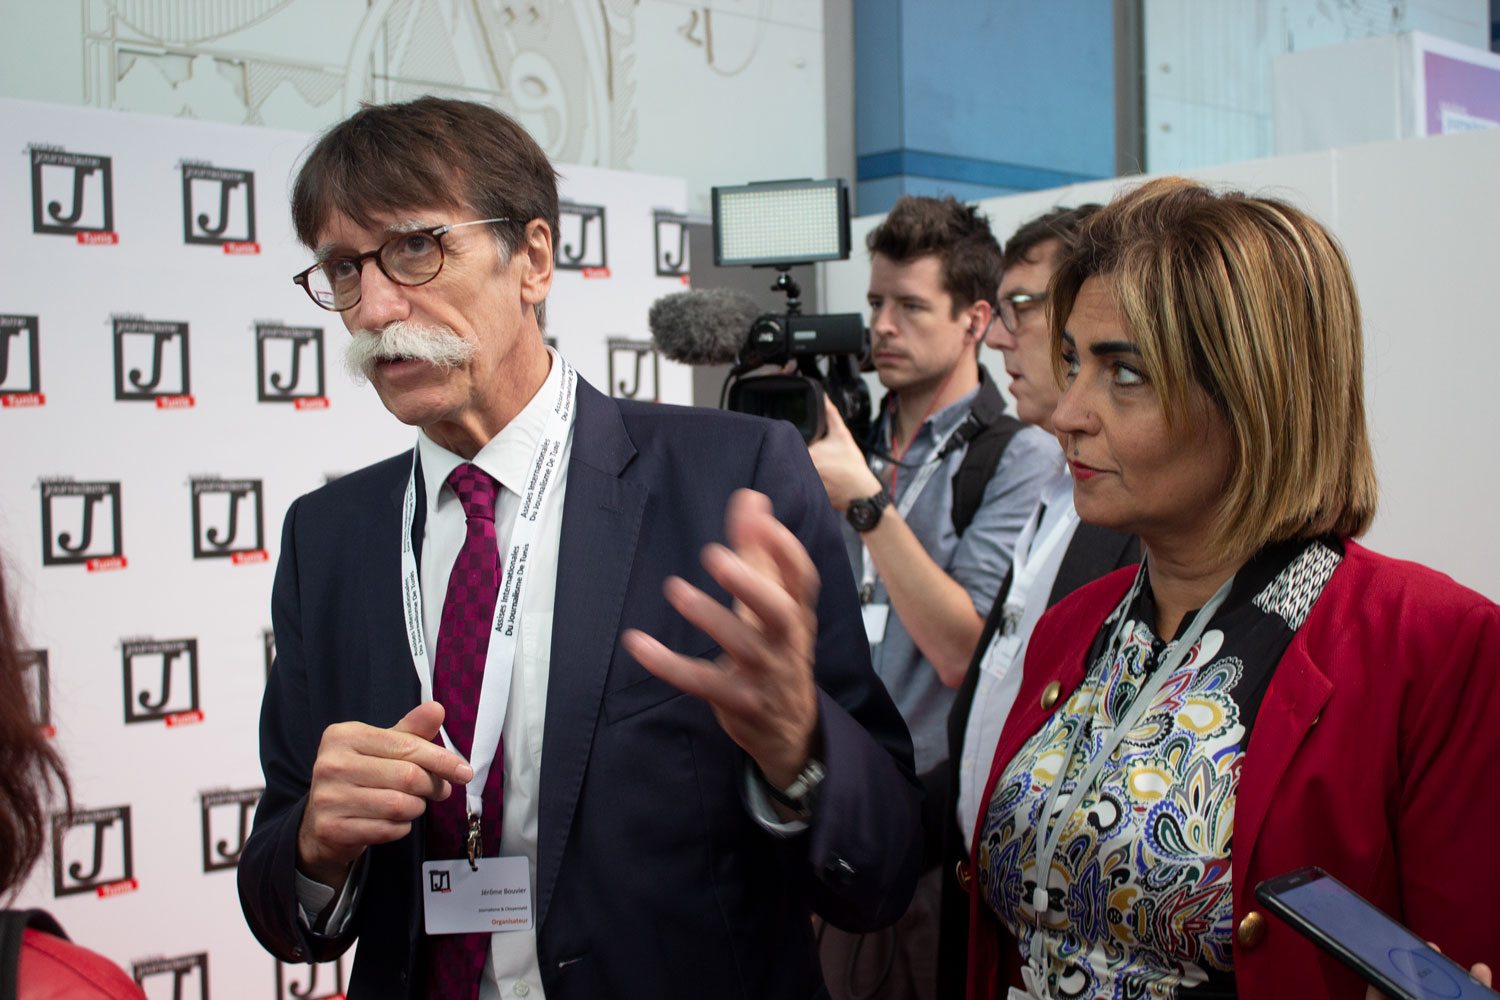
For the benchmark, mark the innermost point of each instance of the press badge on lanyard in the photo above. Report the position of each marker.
(494, 897)
(476, 894)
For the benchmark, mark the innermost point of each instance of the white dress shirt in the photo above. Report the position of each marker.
(1000, 674)
(513, 969)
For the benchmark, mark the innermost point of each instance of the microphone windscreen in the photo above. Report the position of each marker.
(702, 327)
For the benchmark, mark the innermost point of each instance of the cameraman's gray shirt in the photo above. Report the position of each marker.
(978, 560)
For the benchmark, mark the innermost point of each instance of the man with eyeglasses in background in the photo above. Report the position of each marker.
(478, 758)
(934, 503)
(1055, 555)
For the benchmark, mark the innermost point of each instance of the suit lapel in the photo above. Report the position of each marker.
(1298, 692)
(602, 516)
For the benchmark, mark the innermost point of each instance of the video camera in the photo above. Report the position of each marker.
(776, 224)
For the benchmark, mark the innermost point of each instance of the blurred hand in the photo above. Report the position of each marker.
(761, 689)
(1480, 972)
(841, 465)
(368, 785)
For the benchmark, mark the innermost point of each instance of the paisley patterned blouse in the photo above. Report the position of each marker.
(1140, 883)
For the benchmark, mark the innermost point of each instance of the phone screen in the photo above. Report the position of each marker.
(1366, 933)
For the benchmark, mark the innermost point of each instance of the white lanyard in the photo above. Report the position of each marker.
(1051, 832)
(499, 661)
(1029, 560)
(908, 500)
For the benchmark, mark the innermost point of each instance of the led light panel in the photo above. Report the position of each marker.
(789, 222)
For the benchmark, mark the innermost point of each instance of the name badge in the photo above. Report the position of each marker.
(458, 900)
(875, 616)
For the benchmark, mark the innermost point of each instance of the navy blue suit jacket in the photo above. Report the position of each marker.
(652, 877)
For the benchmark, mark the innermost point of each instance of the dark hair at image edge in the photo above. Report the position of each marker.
(1060, 224)
(30, 767)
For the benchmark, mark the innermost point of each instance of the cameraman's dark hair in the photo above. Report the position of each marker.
(957, 234)
(1061, 224)
(29, 766)
(428, 153)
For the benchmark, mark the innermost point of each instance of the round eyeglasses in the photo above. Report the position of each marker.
(411, 258)
(1014, 304)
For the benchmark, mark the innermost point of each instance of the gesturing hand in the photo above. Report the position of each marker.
(761, 689)
(368, 785)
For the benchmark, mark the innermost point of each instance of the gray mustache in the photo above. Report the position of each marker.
(436, 345)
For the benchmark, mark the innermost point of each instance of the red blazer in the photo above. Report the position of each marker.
(54, 968)
(1373, 756)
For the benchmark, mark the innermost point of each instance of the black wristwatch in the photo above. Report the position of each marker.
(865, 514)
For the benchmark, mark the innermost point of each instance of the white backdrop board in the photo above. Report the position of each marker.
(1418, 220)
(165, 393)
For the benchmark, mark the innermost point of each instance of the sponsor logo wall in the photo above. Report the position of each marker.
(165, 393)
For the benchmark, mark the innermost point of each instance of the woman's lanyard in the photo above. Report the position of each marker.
(1052, 829)
(499, 661)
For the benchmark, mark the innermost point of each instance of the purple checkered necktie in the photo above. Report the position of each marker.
(456, 961)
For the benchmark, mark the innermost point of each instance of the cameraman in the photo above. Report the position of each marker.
(933, 517)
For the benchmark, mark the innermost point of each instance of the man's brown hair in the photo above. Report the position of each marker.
(427, 153)
(957, 234)
(1060, 224)
(1252, 300)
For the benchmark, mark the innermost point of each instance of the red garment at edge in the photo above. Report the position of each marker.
(56, 969)
(1372, 757)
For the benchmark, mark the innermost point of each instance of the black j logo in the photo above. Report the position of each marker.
(20, 365)
(226, 825)
(228, 517)
(71, 192)
(323, 982)
(184, 970)
(288, 362)
(151, 359)
(671, 244)
(83, 843)
(630, 356)
(218, 205)
(80, 522)
(580, 242)
(155, 670)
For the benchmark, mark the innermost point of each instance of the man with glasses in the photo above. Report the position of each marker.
(1055, 555)
(479, 760)
(934, 503)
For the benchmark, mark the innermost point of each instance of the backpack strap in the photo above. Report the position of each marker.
(987, 431)
(13, 924)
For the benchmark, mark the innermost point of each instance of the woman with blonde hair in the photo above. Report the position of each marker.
(1263, 693)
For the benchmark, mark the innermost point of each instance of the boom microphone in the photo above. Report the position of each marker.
(706, 327)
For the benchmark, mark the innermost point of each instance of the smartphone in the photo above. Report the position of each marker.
(1360, 935)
